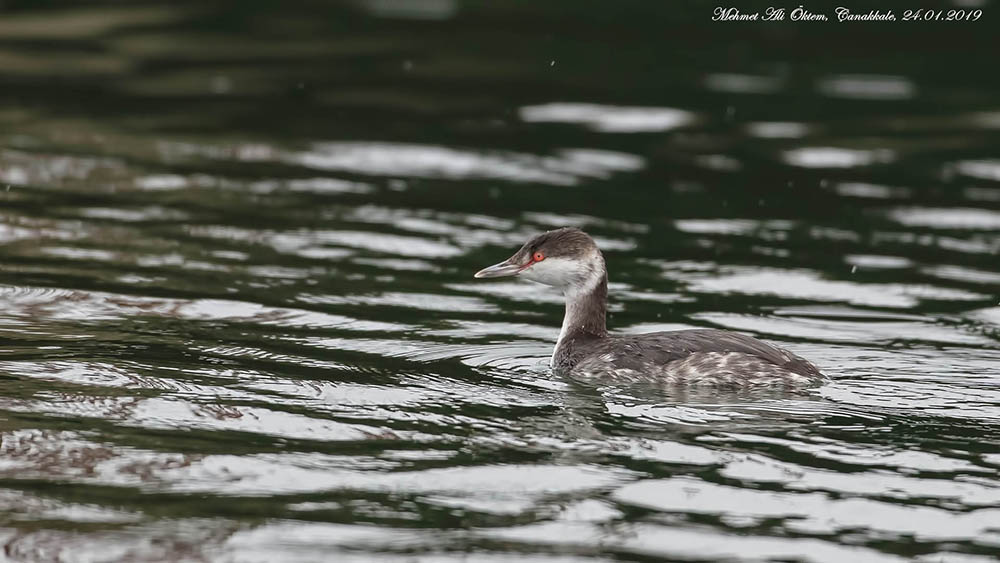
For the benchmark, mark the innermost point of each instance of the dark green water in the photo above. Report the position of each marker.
(238, 320)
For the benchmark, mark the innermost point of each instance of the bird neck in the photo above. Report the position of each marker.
(585, 318)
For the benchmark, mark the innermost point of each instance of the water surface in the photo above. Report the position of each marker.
(238, 320)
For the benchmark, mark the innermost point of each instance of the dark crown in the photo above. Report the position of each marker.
(568, 242)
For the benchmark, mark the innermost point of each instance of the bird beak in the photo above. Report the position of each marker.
(505, 268)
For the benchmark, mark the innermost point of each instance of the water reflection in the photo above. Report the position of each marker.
(608, 119)
(869, 87)
(836, 157)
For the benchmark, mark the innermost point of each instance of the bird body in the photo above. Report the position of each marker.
(570, 260)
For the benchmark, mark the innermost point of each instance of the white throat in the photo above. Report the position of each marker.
(575, 295)
(578, 279)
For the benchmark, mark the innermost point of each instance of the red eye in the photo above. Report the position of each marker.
(538, 257)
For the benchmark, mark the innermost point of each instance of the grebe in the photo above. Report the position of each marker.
(569, 260)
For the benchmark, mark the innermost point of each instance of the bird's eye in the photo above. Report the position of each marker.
(538, 257)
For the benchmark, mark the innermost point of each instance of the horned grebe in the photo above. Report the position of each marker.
(569, 260)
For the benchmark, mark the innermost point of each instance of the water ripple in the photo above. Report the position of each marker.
(238, 320)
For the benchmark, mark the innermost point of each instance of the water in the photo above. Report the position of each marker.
(238, 320)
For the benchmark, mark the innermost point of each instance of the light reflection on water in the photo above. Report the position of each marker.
(237, 319)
